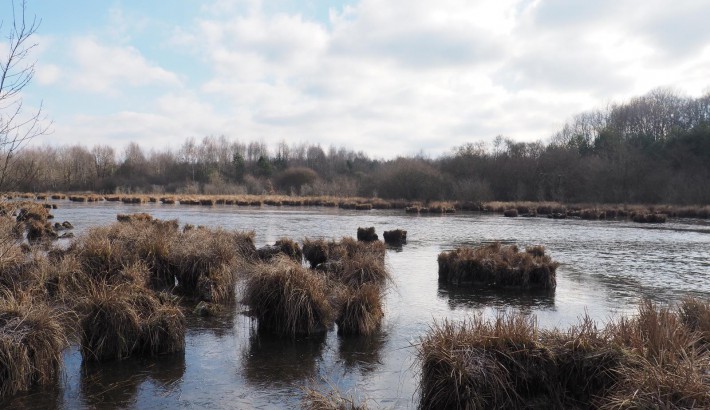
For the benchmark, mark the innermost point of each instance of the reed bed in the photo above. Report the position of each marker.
(498, 265)
(651, 360)
(289, 299)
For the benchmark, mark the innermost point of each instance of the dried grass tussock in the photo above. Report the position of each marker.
(140, 249)
(289, 299)
(119, 321)
(360, 311)
(498, 265)
(31, 342)
(650, 360)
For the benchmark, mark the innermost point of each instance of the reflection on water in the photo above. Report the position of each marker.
(273, 362)
(116, 384)
(476, 297)
(606, 268)
(362, 352)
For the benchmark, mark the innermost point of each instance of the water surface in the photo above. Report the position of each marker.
(607, 267)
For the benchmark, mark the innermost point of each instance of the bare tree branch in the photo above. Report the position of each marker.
(16, 126)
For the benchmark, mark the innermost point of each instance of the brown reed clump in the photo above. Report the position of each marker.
(31, 342)
(486, 364)
(120, 321)
(202, 261)
(367, 234)
(667, 364)
(315, 251)
(650, 360)
(695, 315)
(288, 299)
(333, 400)
(134, 217)
(649, 218)
(497, 265)
(396, 237)
(284, 246)
(205, 262)
(510, 213)
(163, 331)
(111, 326)
(361, 311)
(40, 231)
(349, 262)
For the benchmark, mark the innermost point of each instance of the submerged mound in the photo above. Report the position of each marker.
(498, 265)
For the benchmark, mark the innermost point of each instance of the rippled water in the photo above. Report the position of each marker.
(607, 267)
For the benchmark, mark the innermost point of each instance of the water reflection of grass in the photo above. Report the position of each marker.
(270, 361)
(117, 385)
(473, 297)
(362, 352)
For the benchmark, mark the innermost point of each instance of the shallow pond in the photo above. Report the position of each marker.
(607, 267)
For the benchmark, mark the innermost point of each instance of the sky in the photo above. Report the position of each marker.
(387, 77)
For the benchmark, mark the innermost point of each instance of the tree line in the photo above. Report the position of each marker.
(651, 149)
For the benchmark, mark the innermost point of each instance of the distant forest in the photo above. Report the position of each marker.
(651, 149)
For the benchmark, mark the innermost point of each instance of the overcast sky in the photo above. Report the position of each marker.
(389, 77)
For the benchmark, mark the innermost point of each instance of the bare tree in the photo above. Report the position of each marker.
(16, 71)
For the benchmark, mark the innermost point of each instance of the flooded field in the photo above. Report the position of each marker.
(606, 268)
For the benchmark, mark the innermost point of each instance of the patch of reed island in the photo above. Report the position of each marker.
(344, 285)
(657, 359)
(500, 266)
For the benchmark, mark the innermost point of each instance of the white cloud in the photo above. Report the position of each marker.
(397, 76)
(108, 69)
(47, 74)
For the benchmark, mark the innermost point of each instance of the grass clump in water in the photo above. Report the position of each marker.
(655, 359)
(498, 265)
(31, 342)
(289, 299)
(361, 311)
